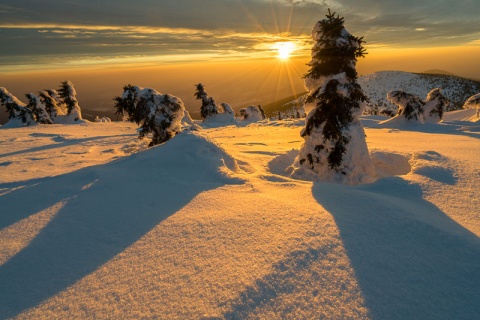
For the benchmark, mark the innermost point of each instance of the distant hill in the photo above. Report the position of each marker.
(375, 85)
(378, 84)
(438, 71)
(284, 104)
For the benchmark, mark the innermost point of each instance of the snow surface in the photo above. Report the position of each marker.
(209, 226)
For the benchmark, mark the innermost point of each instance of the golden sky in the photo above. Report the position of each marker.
(229, 45)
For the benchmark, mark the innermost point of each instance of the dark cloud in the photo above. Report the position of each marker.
(68, 27)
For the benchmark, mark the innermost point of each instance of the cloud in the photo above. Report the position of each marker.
(220, 27)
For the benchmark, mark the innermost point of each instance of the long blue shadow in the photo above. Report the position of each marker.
(109, 208)
(411, 260)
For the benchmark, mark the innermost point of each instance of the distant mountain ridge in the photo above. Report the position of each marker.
(375, 85)
(378, 84)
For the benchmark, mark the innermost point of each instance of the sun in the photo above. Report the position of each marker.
(284, 49)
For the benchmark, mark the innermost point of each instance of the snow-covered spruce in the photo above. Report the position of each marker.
(68, 95)
(210, 112)
(39, 110)
(159, 114)
(18, 113)
(262, 112)
(225, 115)
(208, 108)
(410, 107)
(251, 113)
(435, 105)
(187, 119)
(472, 103)
(56, 96)
(52, 105)
(335, 148)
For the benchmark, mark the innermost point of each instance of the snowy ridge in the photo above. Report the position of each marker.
(378, 84)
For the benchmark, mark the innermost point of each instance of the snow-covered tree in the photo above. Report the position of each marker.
(156, 113)
(68, 95)
(435, 105)
(39, 110)
(51, 104)
(262, 112)
(56, 96)
(17, 110)
(227, 109)
(187, 119)
(251, 113)
(472, 102)
(335, 148)
(208, 108)
(410, 106)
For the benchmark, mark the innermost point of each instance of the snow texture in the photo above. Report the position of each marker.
(210, 226)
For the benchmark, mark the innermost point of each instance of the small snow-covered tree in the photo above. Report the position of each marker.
(68, 95)
(56, 96)
(262, 112)
(227, 109)
(409, 106)
(335, 148)
(156, 113)
(39, 110)
(251, 113)
(472, 102)
(17, 110)
(51, 104)
(208, 108)
(435, 105)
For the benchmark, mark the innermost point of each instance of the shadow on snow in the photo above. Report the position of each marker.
(108, 208)
(410, 259)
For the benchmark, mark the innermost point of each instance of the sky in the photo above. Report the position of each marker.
(114, 42)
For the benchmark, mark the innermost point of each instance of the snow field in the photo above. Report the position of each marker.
(209, 225)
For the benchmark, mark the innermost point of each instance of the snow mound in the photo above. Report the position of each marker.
(100, 211)
(462, 115)
(433, 166)
(389, 164)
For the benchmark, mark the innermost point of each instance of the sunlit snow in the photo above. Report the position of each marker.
(209, 225)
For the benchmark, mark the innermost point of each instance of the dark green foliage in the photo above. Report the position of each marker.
(15, 108)
(154, 112)
(128, 104)
(68, 95)
(410, 106)
(11, 106)
(208, 108)
(442, 103)
(331, 56)
(262, 111)
(51, 105)
(38, 109)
